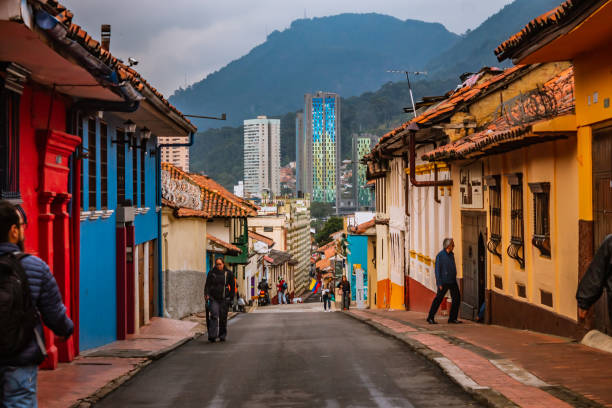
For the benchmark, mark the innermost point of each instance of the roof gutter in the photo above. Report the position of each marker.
(412, 128)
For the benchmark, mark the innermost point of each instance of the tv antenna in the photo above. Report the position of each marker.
(407, 73)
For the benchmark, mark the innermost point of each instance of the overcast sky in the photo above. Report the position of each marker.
(179, 42)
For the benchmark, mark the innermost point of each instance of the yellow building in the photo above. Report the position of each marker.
(581, 32)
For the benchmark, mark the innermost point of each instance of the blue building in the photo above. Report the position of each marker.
(357, 257)
(120, 219)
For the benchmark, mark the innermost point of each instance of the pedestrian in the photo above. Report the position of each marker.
(345, 285)
(597, 278)
(326, 296)
(28, 290)
(218, 291)
(446, 279)
(282, 286)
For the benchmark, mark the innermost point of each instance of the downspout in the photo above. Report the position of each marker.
(423, 183)
(160, 295)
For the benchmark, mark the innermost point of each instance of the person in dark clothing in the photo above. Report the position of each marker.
(18, 373)
(597, 278)
(446, 279)
(345, 285)
(218, 291)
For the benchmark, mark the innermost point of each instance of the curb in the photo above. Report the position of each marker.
(115, 383)
(484, 395)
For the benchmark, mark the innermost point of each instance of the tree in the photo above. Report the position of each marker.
(321, 210)
(334, 224)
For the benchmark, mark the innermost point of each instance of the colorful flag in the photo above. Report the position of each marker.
(316, 287)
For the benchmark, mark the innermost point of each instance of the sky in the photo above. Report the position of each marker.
(180, 42)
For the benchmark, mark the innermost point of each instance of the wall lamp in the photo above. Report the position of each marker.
(145, 135)
(129, 128)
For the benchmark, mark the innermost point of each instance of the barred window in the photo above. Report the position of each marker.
(9, 143)
(120, 168)
(104, 165)
(494, 185)
(91, 160)
(135, 177)
(515, 249)
(541, 217)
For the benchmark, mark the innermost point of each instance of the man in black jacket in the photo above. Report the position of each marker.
(345, 285)
(596, 278)
(446, 279)
(218, 291)
(18, 373)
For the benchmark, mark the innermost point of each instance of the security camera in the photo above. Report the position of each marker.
(132, 61)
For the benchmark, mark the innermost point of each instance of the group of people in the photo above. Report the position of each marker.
(326, 294)
(281, 287)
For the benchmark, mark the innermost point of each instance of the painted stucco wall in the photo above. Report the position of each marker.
(372, 273)
(279, 226)
(358, 255)
(184, 272)
(217, 228)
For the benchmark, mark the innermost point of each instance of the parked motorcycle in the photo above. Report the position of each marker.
(263, 298)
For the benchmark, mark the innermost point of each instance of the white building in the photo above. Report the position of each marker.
(262, 157)
(239, 189)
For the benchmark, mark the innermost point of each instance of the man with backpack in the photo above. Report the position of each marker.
(28, 292)
(218, 291)
(282, 287)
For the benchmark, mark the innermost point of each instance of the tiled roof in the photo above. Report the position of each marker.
(76, 33)
(567, 12)
(279, 257)
(468, 91)
(362, 228)
(220, 243)
(259, 237)
(218, 202)
(507, 131)
(188, 212)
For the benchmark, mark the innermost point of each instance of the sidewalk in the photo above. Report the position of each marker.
(97, 372)
(503, 366)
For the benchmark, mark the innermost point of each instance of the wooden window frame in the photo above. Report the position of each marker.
(517, 231)
(121, 161)
(103, 165)
(541, 217)
(92, 163)
(495, 214)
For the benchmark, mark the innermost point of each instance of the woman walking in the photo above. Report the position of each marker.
(326, 297)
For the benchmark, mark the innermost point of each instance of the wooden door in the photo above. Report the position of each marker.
(141, 281)
(602, 211)
(472, 256)
(152, 280)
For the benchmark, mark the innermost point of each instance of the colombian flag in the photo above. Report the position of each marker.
(315, 285)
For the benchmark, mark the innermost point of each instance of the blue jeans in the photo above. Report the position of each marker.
(18, 387)
(281, 298)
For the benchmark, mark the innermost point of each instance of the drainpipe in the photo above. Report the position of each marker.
(429, 183)
(160, 296)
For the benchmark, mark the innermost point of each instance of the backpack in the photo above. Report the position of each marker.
(18, 314)
(284, 285)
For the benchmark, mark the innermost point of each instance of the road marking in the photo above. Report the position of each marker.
(460, 377)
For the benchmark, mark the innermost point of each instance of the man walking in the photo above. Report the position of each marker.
(22, 346)
(218, 291)
(282, 286)
(597, 278)
(345, 285)
(446, 279)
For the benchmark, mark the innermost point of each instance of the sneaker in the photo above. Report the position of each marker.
(430, 320)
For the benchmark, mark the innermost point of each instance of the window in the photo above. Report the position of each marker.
(494, 185)
(120, 169)
(499, 282)
(546, 298)
(541, 217)
(268, 229)
(91, 160)
(135, 177)
(142, 176)
(9, 143)
(104, 165)
(515, 249)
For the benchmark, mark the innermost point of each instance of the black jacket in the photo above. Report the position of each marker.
(345, 286)
(597, 277)
(48, 300)
(219, 284)
(446, 270)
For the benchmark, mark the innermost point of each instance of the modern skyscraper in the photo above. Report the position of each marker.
(362, 145)
(319, 170)
(177, 156)
(300, 155)
(262, 156)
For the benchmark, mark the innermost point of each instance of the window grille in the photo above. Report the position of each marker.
(541, 217)
(104, 165)
(120, 168)
(91, 160)
(516, 248)
(494, 185)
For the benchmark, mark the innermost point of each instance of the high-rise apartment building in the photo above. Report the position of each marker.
(261, 157)
(362, 145)
(300, 155)
(177, 156)
(319, 168)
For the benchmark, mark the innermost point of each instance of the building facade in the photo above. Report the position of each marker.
(362, 144)
(176, 155)
(320, 170)
(300, 156)
(262, 157)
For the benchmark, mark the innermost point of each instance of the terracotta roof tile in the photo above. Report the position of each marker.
(361, 228)
(124, 72)
(513, 125)
(220, 243)
(564, 13)
(259, 237)
(218, 202)
(188, 212)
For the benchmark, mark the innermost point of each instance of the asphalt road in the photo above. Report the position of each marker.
(301, 359)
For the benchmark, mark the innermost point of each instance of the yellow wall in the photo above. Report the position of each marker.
(185, 240)
(372, 275)
(592, 75)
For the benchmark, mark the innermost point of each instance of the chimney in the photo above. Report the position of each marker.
(106, 32)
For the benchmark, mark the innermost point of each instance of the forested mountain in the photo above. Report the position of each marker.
(218, 152)
(348, 54)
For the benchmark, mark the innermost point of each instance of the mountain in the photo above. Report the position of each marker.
(475, 49)
(347, 53)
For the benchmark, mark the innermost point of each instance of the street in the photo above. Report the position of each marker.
(292, 356)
